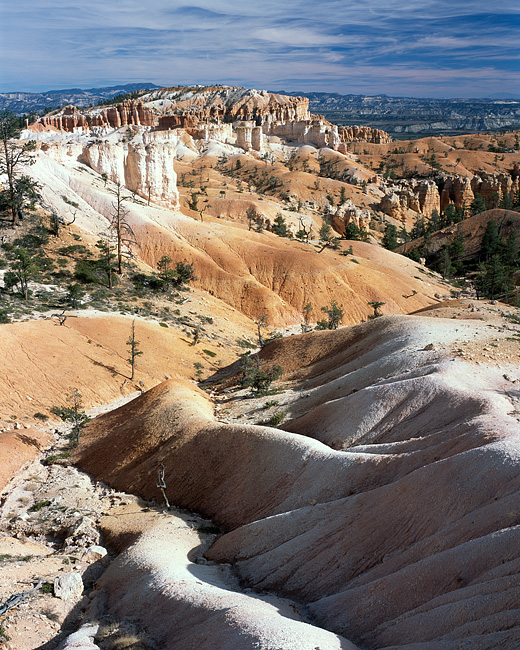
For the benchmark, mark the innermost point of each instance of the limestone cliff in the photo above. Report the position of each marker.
(144, 167)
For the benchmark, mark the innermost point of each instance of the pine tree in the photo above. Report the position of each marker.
(133, 349)
(279, 226)
(478, 205)
(335, 315)
(390, 237)
(14, 155)
(490, 240)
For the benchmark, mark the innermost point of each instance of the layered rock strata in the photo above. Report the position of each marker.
(129, 112)
(145, 168)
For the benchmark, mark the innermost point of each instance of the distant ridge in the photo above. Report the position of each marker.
(417, 116)
(25, 102)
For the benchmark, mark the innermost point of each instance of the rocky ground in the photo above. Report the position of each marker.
(60, 530)
(51, 549)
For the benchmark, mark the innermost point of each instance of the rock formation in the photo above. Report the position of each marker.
(457, 190)
(145, 167)
(129, 112)
(346, 213)
(428, 195)
(195, 109)
(364, 134)
(493, 187)
(420, 196)
(249, 136)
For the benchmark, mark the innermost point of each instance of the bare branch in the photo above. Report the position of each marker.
(162, 485)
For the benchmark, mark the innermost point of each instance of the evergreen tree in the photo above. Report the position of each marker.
(335, 315)
(509, 252)
(418, 228)
(24, 267)
(456, 251)
(506, 202)
(434, 222)
(490, 241)
(279, 226)
(356, 233)
(106, 259)
(375, 304)
(495, 278)
(445, 264)
(478, 205)
(390, 237)
(20, 190)
(133, 350)
(403, 234)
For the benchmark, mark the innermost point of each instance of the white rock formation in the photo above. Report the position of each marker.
(144, 167)
(68, 586)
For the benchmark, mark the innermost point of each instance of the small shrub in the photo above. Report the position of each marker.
(39, 505)
(208, 530)
(3, 634)
(41, 416)
(276, 419)
(210, 353)
(53, 458)
(47, 588)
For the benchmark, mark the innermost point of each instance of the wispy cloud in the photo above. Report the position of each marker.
(405, 48)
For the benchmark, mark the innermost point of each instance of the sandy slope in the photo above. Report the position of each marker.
(405, 535)
(43, 361)
(255, 273)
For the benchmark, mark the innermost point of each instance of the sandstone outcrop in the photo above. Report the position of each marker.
(202, 111)
(420, 196)
(249, 136)
(394, 205)
(364, 134)
(226, 104)
(346, 213)
(493, 187)
(457, 190)
(428, 195)
(129, 112)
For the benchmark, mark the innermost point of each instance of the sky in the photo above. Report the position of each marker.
(440, 48)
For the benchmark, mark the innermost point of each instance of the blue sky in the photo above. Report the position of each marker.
(440, 48)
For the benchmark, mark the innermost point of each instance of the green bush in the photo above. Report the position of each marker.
(276, 419)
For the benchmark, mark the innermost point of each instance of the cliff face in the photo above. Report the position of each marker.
(419, 196)
(457, 190)
(492, 187)
(363, 134)
(127, 113)
(196, 109)
(145, 168)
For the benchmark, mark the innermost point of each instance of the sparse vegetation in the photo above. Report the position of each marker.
(73, 413)
(276, 419)
(335, 313)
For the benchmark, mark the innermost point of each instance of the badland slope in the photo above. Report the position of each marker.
(382, 433)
